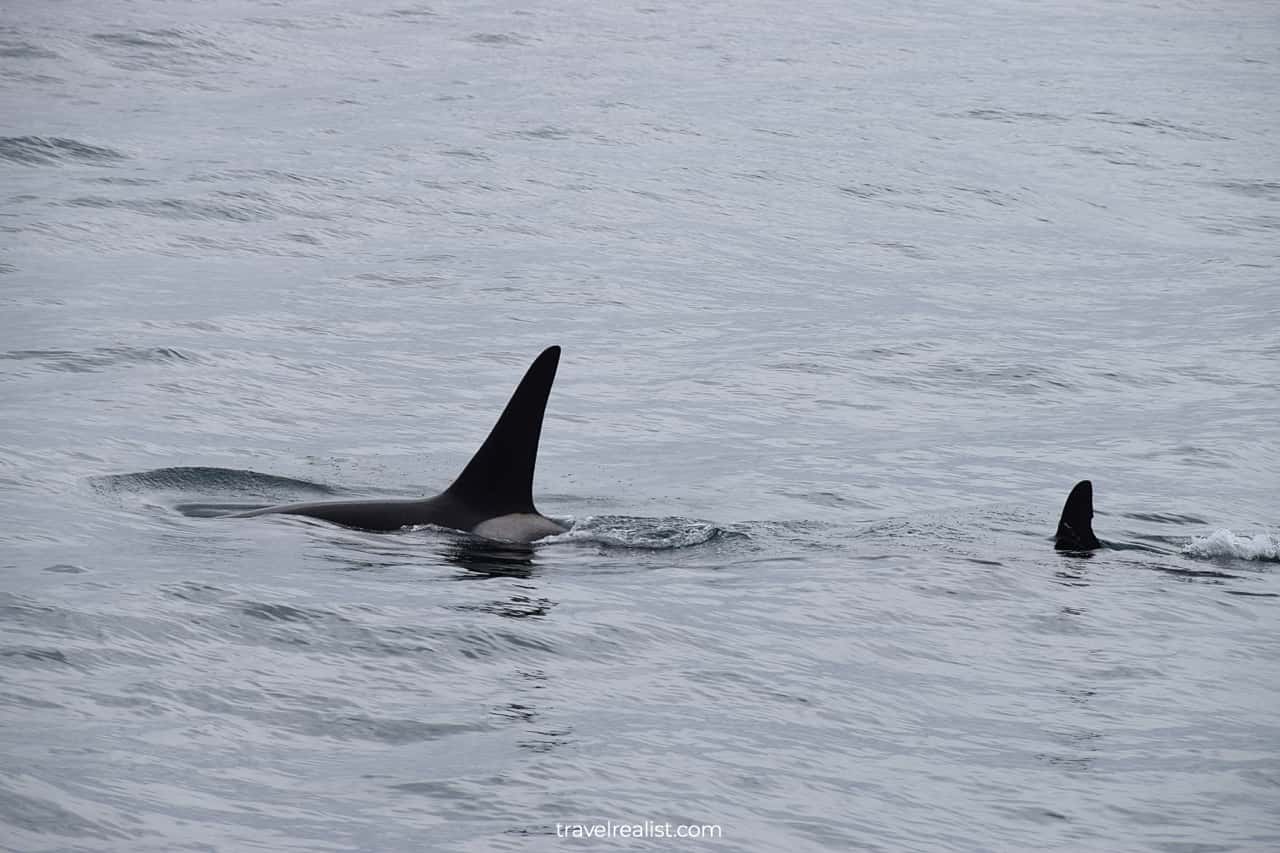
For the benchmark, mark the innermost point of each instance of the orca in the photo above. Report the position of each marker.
(492, 497)
(1075, 528)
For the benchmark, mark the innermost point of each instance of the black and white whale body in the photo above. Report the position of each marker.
(492, 497)
(1075, 528)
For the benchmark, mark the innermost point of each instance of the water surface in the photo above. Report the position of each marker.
(850, 295)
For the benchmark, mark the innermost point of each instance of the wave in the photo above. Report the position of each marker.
(47, 151)
(648, 534)
(203, 479)
(96, 359)
(224, 207)
(1224, 543)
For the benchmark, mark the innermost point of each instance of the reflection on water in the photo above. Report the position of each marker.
(485, 558)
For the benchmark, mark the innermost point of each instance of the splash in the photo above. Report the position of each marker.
(1224, 543)
(652, 534)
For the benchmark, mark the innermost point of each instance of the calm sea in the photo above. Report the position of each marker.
(850, 294)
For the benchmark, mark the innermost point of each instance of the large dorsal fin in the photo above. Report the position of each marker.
(499, 478)
(1075, 528)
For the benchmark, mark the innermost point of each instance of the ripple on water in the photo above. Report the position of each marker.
(19, 49)
(1252, 189)
(29, 805)
(410, 13)
(97, 359)
(1160, 126)
(54, 150)
(496, 39)
(171, 51)
(312, 716)
(242, 210)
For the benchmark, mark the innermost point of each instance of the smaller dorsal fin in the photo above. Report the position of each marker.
(499, 478)
(1075, 528)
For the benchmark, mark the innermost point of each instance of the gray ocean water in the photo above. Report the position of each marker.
(850, 294)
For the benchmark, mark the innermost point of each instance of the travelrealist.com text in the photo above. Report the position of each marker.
(643, 829)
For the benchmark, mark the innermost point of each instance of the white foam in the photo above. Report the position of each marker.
(656, 534)
(1224, 543)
